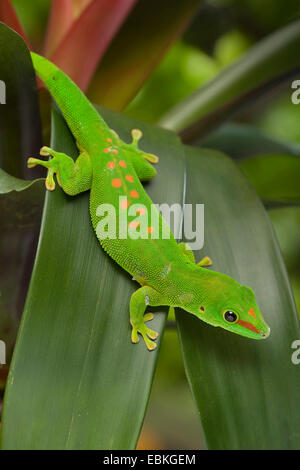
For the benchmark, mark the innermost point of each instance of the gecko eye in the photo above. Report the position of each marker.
(230, 316)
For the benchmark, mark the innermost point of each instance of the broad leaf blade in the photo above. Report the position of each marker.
(20, 137)
(241, 141)
(247, 392)
(20, 129)
(20, 213)
(274, 177)
(144, 38)
(20, 201)
(275, 55)
(91, 385)
(243, 101)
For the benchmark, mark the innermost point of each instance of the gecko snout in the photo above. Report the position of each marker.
(266, 334)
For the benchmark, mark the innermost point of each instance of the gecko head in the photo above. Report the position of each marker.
(233, 307)
(241, 315)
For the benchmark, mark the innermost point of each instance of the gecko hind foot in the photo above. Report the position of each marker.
(206, 261)
(145, 332)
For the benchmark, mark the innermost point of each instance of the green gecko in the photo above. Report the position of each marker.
(112, 171)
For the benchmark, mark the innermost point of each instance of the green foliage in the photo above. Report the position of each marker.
(20, 210)
(230, 46)
(275, 177)
(191, 68)
(91, 383)
(241, 141)
(231, 379)
(137, 49)
(281, 118)
(76, 381)
(275, 55)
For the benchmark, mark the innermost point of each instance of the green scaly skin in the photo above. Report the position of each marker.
(166, 271)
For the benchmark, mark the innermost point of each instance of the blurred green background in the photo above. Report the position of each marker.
(221, 32)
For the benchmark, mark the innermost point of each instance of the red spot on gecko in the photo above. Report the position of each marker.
(124, 204)
(111, 165)
(150, 230)
(134, 194)
(109, 140)
(106, 150)
(141, 211)
(247, 325)
(129, 178)
(134, 224)
(115, 151)
(252, 313)
(116, 182)
(122, 164)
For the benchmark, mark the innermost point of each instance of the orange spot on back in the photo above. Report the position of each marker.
(116, 182)
(134, 194)
(129, 178)
(134, 224)
(150, 229)
(252, 313)
(106, 150)
(122, 164)
(110, 165)
(115, 151)
(141, 211)
(124, 204)
(247, 325)
(109, 140)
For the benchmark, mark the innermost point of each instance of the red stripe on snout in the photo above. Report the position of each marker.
(248, 325)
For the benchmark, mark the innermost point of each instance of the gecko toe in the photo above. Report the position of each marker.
(150, 344)
(147, 335)
(151, 334)
(134, 336)
(148, 317)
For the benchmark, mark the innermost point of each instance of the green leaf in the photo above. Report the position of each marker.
(144, 38)
(241, 141)
(20, 213)
(243, 101)
(20, 137)
(274, 177)
(272, 166)
(246, 391)
(91, 384)
(20, 201)
(277, 54)
(20, 128)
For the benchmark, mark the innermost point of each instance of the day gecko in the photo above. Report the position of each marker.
(112, 171)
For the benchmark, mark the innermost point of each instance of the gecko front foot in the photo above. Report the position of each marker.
(52, 165)
(145, 332)
(73, 177)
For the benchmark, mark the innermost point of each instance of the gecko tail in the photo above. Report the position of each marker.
(57, 83)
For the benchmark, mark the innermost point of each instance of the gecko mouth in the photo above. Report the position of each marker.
(266, 334)
(250, 327)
